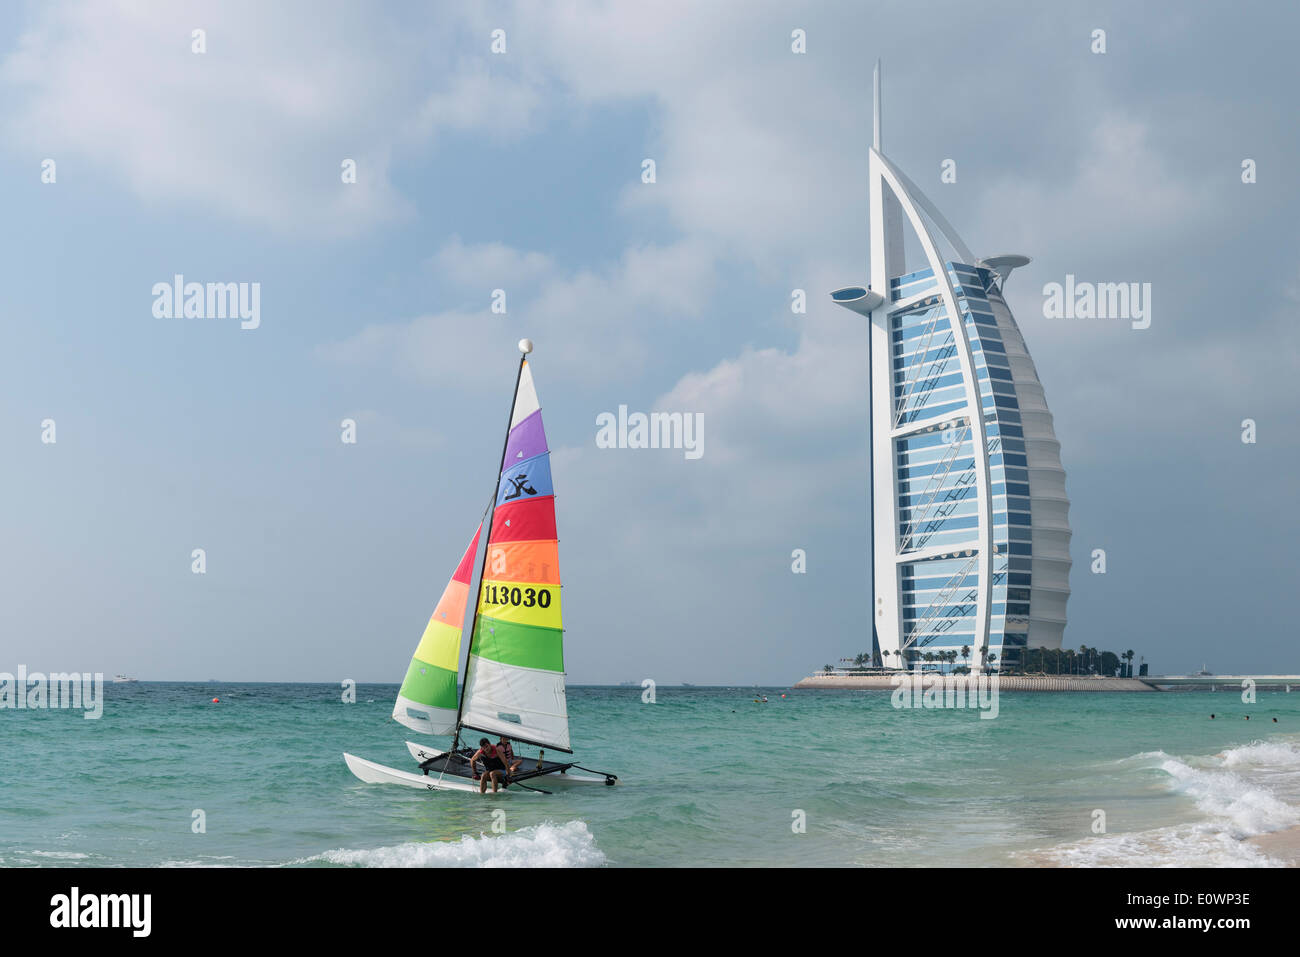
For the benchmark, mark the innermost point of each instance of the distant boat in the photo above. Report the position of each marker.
(687, 684)
(1203, 673)
(514, 667)
(123, 679)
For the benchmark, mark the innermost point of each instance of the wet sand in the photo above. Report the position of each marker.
(1280, 845)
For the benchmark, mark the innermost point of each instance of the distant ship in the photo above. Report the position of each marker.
(1203, 672)
(123, 679)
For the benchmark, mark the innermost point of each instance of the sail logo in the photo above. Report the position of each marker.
(179, 299)
(1098, 300)
(75, 909)
(65, 690)
(922, 691)
(657, 430)
(519, 486)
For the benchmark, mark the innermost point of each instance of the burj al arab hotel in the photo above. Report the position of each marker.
(969, 516)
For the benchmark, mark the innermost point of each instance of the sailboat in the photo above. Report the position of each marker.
(514, 665)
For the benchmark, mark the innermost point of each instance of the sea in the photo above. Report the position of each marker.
(708, 777)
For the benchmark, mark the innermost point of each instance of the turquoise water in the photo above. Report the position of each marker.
(708, 777)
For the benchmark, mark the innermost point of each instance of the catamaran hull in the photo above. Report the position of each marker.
(373, 773)
(422, 752)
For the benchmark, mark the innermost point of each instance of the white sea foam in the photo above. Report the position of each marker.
(1239, 793)
(61, 855)
(1191, 845)
(1274, 755)
(1242, 807)
(542, 845)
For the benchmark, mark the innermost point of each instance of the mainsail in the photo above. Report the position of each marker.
(514, 679)
(427, 699)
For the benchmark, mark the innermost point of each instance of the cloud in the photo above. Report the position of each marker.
(1119, 196)
(494, 102)
(785, 440)
(742, 152)
(580, 317)
(489, 265)
(255, 129)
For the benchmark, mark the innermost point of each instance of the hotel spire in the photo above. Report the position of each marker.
(875, 126)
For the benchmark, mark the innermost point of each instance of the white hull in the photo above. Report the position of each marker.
(422, 752)
(373, 773)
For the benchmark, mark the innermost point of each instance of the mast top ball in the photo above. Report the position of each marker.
(525, 346)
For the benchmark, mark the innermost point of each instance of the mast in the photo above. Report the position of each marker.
(525, 347)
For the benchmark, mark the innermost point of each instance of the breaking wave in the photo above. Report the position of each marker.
(1239, 793)
(541, 845)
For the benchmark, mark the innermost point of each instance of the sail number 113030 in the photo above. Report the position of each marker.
(515, 595)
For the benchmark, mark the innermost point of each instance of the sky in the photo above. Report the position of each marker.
(522, 171)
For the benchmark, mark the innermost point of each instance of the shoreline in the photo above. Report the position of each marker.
(888, 682)
(1282, 846)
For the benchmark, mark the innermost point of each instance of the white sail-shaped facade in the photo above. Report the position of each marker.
(970, 520)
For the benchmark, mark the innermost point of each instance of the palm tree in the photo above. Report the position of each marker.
(1128, 657)
(965, 653)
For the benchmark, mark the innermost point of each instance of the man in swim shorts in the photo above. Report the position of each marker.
(493, 765)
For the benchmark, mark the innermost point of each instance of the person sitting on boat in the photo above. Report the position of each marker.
(493, 765)
(508, 755)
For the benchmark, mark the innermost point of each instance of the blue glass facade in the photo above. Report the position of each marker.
(936, 469)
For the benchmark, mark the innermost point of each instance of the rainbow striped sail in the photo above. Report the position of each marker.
(514, 681)
(427, 699)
